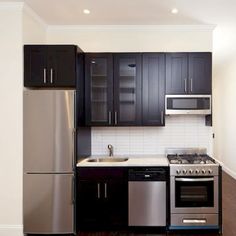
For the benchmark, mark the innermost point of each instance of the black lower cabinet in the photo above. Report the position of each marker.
(102, 199)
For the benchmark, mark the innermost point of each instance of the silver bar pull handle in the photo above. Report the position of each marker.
(98, 191)
(109, 117)
(194, 221)
(194, 180)
(73, 190)
(162, 117)
(116, 118)
(51, 76)
(105, 190)
(185, 85)
(73, 150)
(44, 75)
(191, 84)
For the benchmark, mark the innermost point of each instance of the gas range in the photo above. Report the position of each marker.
(194, 189)
(191, 161)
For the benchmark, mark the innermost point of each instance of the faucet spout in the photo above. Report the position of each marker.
(110, 148)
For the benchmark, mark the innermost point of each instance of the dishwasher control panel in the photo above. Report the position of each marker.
(148, 174)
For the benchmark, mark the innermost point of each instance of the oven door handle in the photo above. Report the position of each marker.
(194, 180)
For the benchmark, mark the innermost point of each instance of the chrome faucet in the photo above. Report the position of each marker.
(110, 148)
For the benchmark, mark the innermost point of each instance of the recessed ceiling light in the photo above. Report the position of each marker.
(86, 11)
(174, 11)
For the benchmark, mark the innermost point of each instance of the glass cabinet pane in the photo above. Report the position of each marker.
(99, 84)
(127, 89)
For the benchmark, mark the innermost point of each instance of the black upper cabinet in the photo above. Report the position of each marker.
(99, 89)
(153, 85)
(113, 89)
(50, 65)
(176, 73)
(188, 73)
(35, 65)
(127, 89)
(200, 73)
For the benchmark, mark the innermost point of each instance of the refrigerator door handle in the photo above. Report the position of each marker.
(73, 190)
(73, 149)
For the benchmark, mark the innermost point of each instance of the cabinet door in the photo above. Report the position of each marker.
(99, 89)
(127, 89)
(200, 65)
(153, 88)
(116, 202)
(62, 65)
(176, 73)
(35, 66)
(89, 204)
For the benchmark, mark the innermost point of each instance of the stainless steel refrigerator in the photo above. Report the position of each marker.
(49, 153)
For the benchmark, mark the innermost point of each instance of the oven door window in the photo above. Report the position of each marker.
(194, 193)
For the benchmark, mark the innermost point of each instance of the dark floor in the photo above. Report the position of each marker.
(229, 214)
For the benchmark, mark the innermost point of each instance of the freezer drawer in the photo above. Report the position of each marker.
(48, 203)
(48, 123)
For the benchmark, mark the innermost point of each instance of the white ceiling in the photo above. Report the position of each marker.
(134, 12)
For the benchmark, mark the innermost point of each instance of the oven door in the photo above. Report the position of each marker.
(194, 194)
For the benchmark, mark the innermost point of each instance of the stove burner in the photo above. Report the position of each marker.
(190, 159)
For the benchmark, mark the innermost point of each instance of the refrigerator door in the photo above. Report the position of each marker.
(48, 203)
(48, 123)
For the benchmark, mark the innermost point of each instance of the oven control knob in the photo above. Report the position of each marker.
(190, 171)
(184, 171)
(178, 171)
(197, 171)
(210, 171)
(203, 171)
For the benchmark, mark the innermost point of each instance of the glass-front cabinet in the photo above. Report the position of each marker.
(99, 89)
(127, 92)
(113, 89)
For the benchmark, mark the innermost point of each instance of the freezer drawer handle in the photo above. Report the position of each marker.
(194, 221)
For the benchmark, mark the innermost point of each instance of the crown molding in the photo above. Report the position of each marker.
(208, 28)
(11, 6)
(28, 10)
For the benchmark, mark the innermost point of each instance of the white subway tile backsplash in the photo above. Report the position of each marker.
(180, 131)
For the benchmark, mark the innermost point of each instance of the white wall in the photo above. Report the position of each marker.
(34, 29)
(11, 73)
(224, 96)
(16, 29)
(134, 38)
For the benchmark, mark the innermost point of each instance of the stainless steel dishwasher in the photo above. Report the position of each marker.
(147, 197)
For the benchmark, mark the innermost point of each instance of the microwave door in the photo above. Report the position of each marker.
(188, 104)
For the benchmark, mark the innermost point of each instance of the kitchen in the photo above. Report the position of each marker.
(181, 131)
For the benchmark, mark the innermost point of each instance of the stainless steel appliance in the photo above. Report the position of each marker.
(194, 189)
(147, 197)
(188, 104)
(48, 150)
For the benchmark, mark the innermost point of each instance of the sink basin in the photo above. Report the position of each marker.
(108, 159)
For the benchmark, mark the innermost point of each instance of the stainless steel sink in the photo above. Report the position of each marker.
(108, 159)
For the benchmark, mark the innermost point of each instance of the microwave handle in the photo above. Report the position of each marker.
(194, 180)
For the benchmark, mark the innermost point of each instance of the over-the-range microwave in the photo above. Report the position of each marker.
(188, 104)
